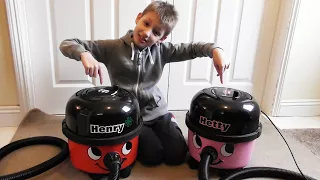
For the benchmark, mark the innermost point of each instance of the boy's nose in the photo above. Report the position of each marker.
(146, 33)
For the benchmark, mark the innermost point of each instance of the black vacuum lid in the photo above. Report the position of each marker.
(102, 115)
(224, 114)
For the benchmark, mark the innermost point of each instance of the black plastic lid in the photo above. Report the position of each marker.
(224, 114)
(102, 115)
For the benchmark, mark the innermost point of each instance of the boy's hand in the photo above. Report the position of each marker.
(219, 62)
(91, 65)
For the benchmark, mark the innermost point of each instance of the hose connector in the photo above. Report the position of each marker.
(208, 156)
(212, 152)
(113, 162)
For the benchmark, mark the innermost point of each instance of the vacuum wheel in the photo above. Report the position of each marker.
(192, 163)
(124, 173)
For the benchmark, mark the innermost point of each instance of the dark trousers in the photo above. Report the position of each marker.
(161, 140)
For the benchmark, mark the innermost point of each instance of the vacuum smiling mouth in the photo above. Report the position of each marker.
(105, 168)
(220, 161)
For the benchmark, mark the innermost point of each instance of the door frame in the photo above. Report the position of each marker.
(18, 28)
(287, 18)
(18, 31)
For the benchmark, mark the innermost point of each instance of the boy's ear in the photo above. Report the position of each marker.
(138, 17)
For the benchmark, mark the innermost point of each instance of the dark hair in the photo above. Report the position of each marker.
(167, 13)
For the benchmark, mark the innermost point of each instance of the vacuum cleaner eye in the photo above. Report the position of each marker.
(94, 153)
(196, 141)
(126, 148)
(227, 150)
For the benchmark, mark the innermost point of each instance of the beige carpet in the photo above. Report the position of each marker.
(308, 137)
(270, 150)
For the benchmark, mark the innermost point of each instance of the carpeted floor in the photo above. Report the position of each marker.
(270, 150)
(307, 137)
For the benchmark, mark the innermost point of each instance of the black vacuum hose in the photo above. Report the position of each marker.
(208, 155)
(269, 172)
(114, 172)
(40, 168)
(112, 162)
(204, 164)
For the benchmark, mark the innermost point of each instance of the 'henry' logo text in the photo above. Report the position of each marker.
(223, 127)
(106, 129)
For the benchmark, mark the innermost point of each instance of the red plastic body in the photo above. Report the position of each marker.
(79, 155)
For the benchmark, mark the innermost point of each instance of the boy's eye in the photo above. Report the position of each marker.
(146, 23)
(156, 33)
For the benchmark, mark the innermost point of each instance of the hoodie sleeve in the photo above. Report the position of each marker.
(186, 51)
(72, 48)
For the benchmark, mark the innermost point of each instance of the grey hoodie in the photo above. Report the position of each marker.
(135, 70)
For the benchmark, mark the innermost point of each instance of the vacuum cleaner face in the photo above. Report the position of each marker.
(100, 121)
(223, 122)
(91, 159)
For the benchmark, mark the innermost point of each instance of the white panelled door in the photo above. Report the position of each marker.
(244, 29)
(56, 77)
(236, 25)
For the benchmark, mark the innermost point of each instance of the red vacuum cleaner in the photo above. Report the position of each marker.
(102, 125)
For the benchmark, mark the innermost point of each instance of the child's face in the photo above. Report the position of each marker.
(148, 30)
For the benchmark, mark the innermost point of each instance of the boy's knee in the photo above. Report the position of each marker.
(150, 149)
(172, 140)
(151, 156)
(177, 154)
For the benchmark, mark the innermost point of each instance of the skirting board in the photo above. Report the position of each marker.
(10, 116)
(300, 107)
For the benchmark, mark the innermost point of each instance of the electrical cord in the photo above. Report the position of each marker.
(286, 144)
(269, 171)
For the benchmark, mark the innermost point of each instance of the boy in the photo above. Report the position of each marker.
(135, 62)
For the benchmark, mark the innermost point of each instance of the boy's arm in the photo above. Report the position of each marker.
(73, 48)
(90, 53)
(186, 51)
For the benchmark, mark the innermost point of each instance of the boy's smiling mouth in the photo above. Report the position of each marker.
(142, 40)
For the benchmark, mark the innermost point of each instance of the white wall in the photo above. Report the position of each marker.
(9, 104)
(8, 90)
(301, 89)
